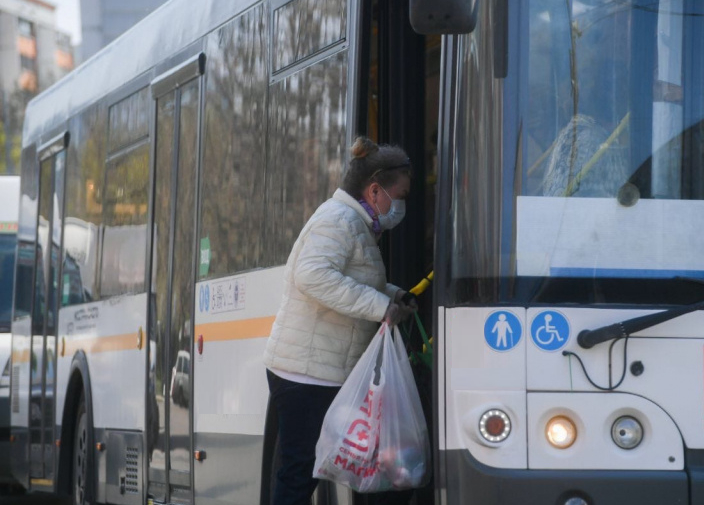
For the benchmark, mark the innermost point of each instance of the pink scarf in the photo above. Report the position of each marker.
(376, 227)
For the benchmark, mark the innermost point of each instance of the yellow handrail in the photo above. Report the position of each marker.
(420, 288)
(423, 284)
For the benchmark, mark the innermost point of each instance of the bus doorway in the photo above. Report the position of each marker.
(169, 394)
(398, 83)
(52, 163)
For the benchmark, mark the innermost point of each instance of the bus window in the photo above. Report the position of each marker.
(84, 210)
(8, 242)
(305, 27)
(305, 155)
(9, 192)
(125, 219)
(128, 120)
(603, 177)
(234, 148)
(124, 204)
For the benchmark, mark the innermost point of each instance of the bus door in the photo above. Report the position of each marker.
(177, 98)
(398, 85)
(52, 161)
(398, 82)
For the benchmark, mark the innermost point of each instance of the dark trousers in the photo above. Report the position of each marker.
(301, 409)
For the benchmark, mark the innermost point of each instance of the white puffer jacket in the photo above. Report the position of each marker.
(335, 294)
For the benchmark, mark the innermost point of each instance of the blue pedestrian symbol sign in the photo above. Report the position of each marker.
(502, 330)
(550, 330)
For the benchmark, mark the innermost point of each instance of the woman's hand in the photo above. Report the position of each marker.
(407, 303)
(393, 314)
(403, 305)
(407, 298)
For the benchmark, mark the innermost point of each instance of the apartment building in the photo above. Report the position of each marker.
(33, 55)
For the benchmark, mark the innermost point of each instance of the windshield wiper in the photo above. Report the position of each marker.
(589, 338)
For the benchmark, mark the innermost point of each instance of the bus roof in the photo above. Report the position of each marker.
(168, 29)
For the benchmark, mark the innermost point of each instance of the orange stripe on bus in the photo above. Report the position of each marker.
(236, 330)
(21, 356)
(256, 327)
(127, 342)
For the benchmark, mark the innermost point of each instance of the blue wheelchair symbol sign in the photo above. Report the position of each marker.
(550, 330)
(502, 330)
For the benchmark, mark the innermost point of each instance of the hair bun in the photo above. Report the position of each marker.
(363, 147)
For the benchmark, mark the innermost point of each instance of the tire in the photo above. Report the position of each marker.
(81, 466)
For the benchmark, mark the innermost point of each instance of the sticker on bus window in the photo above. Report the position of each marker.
(502, 330)
(226, 295)
(204, 265)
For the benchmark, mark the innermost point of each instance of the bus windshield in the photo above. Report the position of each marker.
(594, 191)
(7, 270)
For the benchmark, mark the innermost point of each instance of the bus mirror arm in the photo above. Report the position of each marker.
(589, 338)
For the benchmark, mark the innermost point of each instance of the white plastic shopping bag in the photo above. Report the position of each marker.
(374, 437)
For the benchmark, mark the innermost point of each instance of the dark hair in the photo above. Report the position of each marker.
(370, 162)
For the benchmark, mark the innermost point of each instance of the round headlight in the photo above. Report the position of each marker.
(627, 432)
(561, 432)
(494, 425)
(576, 500)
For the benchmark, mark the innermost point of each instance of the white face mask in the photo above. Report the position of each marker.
(394, 216)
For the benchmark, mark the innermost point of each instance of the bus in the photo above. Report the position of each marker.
(164, 182)
(557, 150)
(10, 196)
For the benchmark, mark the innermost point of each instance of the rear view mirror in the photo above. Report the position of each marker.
(431, 17)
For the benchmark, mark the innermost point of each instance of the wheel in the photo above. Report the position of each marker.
(81, 467)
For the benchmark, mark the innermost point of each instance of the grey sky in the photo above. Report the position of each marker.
(68, 18)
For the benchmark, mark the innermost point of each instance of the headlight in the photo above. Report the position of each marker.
(576, 500)
(561, 432)
(627, 432)
(494, 425)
